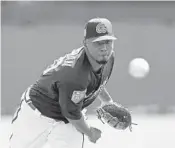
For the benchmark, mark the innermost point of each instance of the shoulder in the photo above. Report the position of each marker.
(72, 58)
(69, 60)
(72, 71)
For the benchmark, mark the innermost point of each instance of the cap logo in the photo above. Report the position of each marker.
(101, 28)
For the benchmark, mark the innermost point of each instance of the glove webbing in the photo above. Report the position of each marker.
(101, 113)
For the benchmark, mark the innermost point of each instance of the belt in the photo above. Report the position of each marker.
(28, 101)
(30, 104)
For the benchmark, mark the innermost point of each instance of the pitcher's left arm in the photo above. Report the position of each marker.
(113, 113)
(105, 97)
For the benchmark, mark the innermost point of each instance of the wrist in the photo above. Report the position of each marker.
(90, 132)
(106, 102)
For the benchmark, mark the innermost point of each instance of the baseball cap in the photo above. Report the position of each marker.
(99, 29)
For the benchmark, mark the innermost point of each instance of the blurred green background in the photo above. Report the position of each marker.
(33, 34)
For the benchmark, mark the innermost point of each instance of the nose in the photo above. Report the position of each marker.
(104, 48)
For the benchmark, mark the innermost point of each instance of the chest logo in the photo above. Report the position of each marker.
(77, 96)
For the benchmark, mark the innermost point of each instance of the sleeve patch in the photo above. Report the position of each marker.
(77, 96)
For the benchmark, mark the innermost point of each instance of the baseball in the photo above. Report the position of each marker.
(138, 68)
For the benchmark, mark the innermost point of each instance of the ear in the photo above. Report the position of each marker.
(84, 43)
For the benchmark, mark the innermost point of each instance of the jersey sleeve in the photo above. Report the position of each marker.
(71, 95)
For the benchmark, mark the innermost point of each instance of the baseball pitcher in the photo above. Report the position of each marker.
(51, 109)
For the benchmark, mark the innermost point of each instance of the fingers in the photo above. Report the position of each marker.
(93, 141)
(96, 134)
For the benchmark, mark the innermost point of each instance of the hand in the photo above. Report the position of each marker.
(95, 134)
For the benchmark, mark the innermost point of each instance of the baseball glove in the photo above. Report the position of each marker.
(115, 115)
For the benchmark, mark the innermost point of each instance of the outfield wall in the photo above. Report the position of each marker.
(35, 34)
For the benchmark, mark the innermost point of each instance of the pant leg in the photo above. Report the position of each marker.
(65, 136)
(30, 129)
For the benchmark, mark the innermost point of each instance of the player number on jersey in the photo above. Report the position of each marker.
(54, 65)
(67, 60)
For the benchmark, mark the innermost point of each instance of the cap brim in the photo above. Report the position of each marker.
(105, 37)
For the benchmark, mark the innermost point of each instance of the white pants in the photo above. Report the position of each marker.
(32, 130)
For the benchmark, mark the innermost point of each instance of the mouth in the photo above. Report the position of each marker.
(104, 54)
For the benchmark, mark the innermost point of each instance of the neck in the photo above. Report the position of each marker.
(94, 64)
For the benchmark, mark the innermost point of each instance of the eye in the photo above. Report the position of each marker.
(108, 41)
(103, 42)
(99, 43)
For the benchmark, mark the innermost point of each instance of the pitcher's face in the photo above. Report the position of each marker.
(100, 51)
